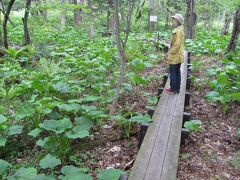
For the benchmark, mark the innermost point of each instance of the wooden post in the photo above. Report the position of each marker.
(184, 135)
(123, 177)
(186, 117)
(187, 99)
(188, 84)
(141, 135)
(160, 91)
(165, 77)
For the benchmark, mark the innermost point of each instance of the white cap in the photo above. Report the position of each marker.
(179, 18)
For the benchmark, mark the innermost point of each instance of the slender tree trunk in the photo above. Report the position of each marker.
(1, 37)
(121, 46)
(63, 14)
(226, 24)
(152, 12)
(235, 32)
(91, 27)
(6, 17)
(27, 38)
(190, 19)
(77, 14)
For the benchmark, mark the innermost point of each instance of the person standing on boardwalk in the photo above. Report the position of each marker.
(175, 55)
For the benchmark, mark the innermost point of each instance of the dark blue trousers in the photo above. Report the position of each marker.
(175, 77)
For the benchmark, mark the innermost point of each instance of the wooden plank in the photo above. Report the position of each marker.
(141, 163)
(169, 172)
(158, 154)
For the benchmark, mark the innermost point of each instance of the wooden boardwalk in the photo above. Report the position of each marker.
(157, 158)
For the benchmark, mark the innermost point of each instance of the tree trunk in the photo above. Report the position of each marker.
(6, 17)
(121, 46)
(27, 39)
(91, 27)
(152, 12)
(63, 15)
(1, 40)
(190, 19)
(226, 24)
(235, 32)
(76, 14)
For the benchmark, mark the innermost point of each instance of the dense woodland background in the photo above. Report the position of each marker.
(67, 65)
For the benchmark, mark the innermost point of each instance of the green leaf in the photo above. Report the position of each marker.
(49, 161)
(4, 167)
(44, 177)
(193, 125)
(83, 123)
(42, 142)
(57, 126)
(35, 132)
(73, 173)
(24, 174)
(2, 119)
(140, 119)
(76, 133)
(13, 130)
(212, 96)
(3, 140)
(91, 98)
(69, 107)
(138, 64)
(24, 111)
(110, 174)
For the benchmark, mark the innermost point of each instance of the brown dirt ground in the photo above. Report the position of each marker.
(210, 153)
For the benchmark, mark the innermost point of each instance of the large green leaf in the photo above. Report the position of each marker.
(73, 173)
(57, 126)
(69, 107)
(49, 161)
(141, 119)
(138, 64)
(15, 130)
(212, 96)
(2, 119)
(83, 123)
(4, 167)
(35, 132)
(24, 174)
(76, 133)
(44, 177)
(110, 174)
(3, 140)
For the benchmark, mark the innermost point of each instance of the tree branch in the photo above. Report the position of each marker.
(8, 18)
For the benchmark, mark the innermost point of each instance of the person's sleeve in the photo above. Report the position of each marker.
(177, 43)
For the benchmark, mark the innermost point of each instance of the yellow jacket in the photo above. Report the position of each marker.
(175, 55)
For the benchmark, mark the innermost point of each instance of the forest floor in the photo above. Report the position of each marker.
(213, 153)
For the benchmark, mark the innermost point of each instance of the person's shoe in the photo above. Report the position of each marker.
(169, 91)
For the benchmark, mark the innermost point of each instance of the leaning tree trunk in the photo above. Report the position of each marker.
(226, 24)
(6, 17)
(235, 32)
(27, 39)
(190, 19)
(121, 46)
